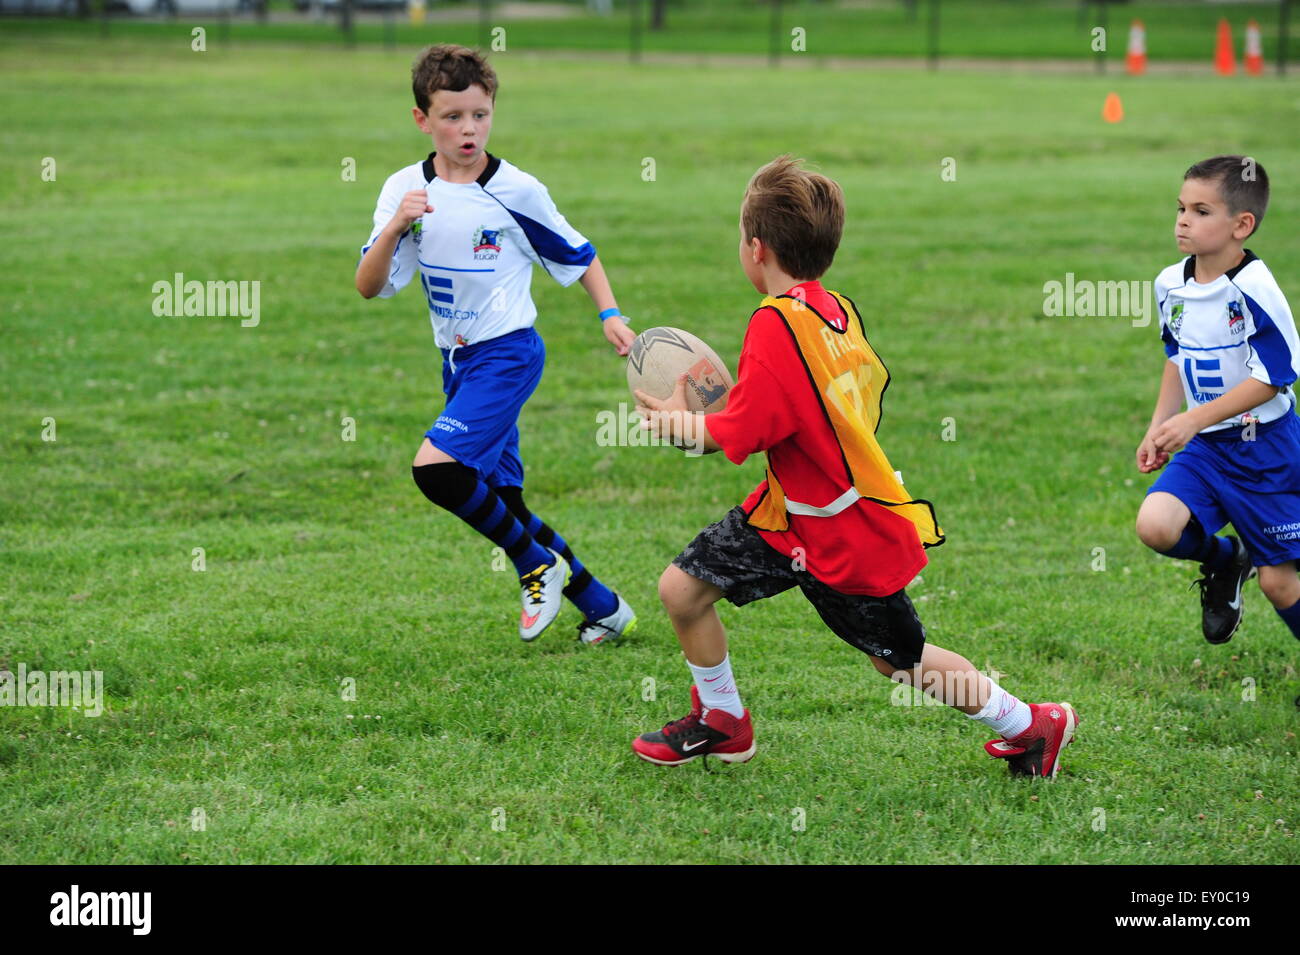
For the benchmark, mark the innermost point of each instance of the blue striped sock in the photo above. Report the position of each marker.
(588, 594)
(488, 514)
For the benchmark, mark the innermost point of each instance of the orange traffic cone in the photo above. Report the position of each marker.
(1137, 48)
(1225, 61)
(1113, 110)
(1254, 50)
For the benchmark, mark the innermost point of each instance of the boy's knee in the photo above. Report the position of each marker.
(683, 595)
(670, 588)
(1156, 532)
(1280, 586)
(1161, 520)
(448, 484)
(884, 667)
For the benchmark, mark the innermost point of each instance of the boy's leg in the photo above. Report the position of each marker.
(1282, 588)
(1167, 526)
(717, 724)
(460, 490)
(1262, 499)
(726, 559)
(596, 601)
(1176, 519)
(690, 603)
(889, 631)
(950, 678)
(485, 392)
(1032, 736)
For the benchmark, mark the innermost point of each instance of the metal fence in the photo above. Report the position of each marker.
(928, 22)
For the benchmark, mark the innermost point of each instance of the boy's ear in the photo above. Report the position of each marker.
(421, 120)
(1244, 226)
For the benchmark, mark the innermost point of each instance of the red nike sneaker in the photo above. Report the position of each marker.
(1037, 751)
(699, 733)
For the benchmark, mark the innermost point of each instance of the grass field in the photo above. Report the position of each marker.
(324, 564)
(989, 28)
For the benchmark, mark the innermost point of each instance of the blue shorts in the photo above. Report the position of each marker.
(1253, 484)
(479, 427)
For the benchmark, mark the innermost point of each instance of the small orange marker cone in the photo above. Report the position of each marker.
(1113, 110)
(1137, 48)
(1225, 61)
(1254, 50)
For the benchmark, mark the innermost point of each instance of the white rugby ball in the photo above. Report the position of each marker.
(660, 355)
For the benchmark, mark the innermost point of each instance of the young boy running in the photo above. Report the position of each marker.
(832, 517)
(472, 226)
(1232, 357)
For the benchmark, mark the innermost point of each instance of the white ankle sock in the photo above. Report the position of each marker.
(718, 688)
(1003, 713)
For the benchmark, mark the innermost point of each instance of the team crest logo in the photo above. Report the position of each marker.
(487, 243)
(1236, 320)
(1175, 317)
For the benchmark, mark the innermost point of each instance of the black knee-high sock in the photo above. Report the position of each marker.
(459, 489)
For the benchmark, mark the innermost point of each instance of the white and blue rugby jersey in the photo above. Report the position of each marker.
(475, 252)
(1239, 326)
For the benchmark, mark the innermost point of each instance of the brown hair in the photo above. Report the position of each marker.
(1242, 182)
(447, 66)
(799, 215)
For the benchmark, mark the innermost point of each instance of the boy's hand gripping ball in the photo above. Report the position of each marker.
(660, 355)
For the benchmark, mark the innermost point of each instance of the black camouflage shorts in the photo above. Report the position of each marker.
(732, 556)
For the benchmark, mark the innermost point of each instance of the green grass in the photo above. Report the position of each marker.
(981, 28)
(324, 563)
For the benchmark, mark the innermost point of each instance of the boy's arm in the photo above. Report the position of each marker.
(1170, 398)
(763, 409)
(1177, 430)
(616, 331)
(1168, 401)
(375, 266)
(669, 419)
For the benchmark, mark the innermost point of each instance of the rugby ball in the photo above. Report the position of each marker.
(660, 355)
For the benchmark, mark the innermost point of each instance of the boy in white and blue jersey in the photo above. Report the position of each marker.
(471, 226)
(1233, 359)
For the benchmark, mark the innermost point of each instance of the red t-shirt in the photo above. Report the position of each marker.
(866, 548)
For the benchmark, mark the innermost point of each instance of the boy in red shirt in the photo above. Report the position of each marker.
(832, 516)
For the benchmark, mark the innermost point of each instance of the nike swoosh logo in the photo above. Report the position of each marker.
(715, 679)
(1236, 604)
(528, 621)
(687, 749)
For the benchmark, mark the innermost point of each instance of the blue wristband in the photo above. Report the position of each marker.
(609, 313)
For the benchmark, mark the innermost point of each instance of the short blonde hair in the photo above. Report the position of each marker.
(797, 214)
